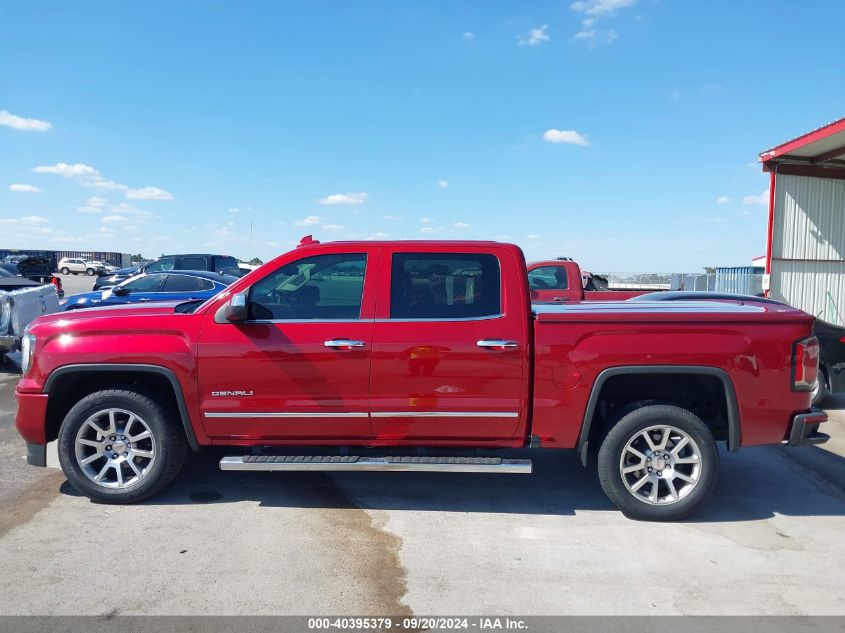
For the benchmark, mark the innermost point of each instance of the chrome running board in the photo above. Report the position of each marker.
(372, 463)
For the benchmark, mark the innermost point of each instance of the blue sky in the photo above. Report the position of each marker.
(623, 133)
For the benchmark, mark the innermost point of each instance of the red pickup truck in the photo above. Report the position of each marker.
(562, 280)
(415, 356)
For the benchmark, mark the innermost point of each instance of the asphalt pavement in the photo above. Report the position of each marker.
(769, 542)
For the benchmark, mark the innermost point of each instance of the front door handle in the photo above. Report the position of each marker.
(343, 343)
(143, 299)
(497, 343)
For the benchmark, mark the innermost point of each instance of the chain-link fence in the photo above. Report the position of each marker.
(729, 281)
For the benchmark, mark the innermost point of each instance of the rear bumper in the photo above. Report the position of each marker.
(805, 429)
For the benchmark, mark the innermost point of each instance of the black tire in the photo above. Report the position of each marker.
(823, 387)
(629, 426)
(65, 271)
(90, 272)
(168, 439)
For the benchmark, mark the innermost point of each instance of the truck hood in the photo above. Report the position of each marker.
(111, 312)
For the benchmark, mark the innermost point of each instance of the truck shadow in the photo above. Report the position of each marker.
(754, 484)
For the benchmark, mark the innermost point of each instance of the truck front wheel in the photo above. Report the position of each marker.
(118, 446)
(658, 462)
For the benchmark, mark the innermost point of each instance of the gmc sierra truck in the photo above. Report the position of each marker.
(415, 356)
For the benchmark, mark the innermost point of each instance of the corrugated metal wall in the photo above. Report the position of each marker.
(808, 245)
(745, 280)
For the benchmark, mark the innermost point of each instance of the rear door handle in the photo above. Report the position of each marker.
(343, 343)
(497, 343)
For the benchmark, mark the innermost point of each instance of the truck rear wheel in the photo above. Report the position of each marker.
(118, 446)
(658, 462)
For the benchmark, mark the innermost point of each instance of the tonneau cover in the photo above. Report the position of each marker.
(669, 311)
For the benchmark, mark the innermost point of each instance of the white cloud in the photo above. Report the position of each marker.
(443, 184)
(565, 136)
(468, 36)
(601, 7)
(24, 188)
(461, 225)
(378, 235)
(20, 123)
(722, 200)
(595, 9)
(760, 200)
(27, 219)
(311, 220)
(89, 209)
(114, 219)
(426, 220)
(333, 227)
(85, 175)
(233, 210)
(96, 201)
(148, 193)
(595, 36)
(535, 36)
(344, 198)
(393, 218)
(532, 236)
(77, 170)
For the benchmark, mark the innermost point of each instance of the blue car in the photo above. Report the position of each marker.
(183, 285)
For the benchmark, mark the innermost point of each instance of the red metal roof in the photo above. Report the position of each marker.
(821, 145)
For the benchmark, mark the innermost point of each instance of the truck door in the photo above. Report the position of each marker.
(450, 347)
(554, 283)
(300, 366)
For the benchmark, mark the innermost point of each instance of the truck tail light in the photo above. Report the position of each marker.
(805, 364)
(57, 283)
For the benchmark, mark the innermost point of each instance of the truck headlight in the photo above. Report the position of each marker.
(27, 351)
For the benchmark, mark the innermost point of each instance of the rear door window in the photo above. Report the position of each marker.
(444, 286)
(193, 263)
(181, 283)
(226, 265)
(145, 283)
(548, 278)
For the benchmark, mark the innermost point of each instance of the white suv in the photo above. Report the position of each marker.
(74, 265)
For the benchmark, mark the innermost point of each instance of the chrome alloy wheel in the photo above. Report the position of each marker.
(115, 448)
(660, 465)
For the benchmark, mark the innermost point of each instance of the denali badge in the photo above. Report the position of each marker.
(223, 394)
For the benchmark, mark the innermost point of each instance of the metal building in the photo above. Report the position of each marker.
(805, 255)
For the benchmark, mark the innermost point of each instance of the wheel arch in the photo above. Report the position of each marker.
(67, 377)
(589, 426)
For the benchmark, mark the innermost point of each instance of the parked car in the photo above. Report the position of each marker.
(33, 268)
(183, 285)
(428, 358)
(224, 264)
(76, 266)
(107, 268)
(562, 280)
